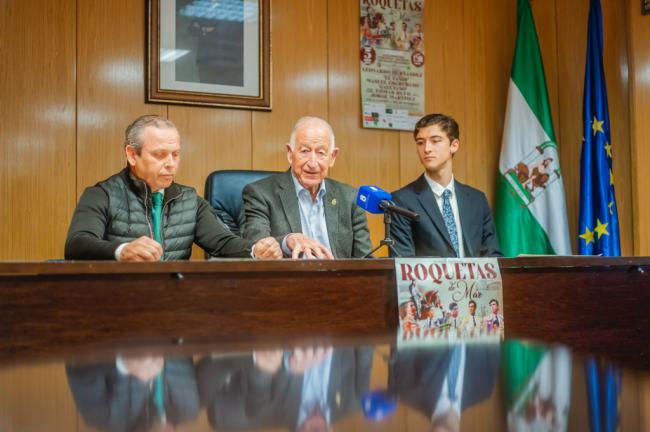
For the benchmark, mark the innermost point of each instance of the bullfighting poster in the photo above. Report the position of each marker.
(448, 300)
(392, 57)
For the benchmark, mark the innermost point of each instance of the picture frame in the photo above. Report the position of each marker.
(209, 53)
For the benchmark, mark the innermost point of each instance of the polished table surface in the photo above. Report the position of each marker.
(234, 340)
(372, 387)
(593, 305)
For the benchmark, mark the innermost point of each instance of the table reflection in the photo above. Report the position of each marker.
(324, 388)
(135, 394)
(306, 389)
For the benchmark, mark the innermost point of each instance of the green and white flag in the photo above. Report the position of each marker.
(537, 386)
(530, 210)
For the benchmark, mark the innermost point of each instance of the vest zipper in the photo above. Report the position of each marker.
(162, 220)
(147, 213)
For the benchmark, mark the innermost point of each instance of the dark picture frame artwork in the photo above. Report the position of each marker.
(209, 52)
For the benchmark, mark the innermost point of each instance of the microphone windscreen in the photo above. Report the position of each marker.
(369, 198)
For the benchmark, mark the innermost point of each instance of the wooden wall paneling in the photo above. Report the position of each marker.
(578, 409)
(488, 414)
(299, 77)
(629, 402)
(212, 139)
(488, 55)
(639, 56)
(366, 156)
(644, 402)
(42, 389)
(615, 24)
(571, 51)
(110, 83)
(37, 166)
(444, 35)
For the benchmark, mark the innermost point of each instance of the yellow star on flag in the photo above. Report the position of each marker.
(611, 203)
(588, 236)
(601, 228)
(611, 177)
(597, 126)
(608, 150)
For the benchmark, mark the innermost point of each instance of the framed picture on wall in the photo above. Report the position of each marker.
(209, 52)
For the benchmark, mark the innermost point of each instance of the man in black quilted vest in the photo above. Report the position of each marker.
(141, 214)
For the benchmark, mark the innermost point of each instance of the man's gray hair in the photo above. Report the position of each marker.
(301, 121)
(133, 134)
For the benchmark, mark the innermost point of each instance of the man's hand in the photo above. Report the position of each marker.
(144, 368)
(301, 244)
(141, 249)
(268, 361)
(304, 358)
(267, 248)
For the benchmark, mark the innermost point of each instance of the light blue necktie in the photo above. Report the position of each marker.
(452, 373)
(448, 216)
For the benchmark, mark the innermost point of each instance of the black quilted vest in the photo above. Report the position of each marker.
(130, 214)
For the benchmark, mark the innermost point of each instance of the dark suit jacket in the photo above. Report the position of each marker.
(114, 402)
(271, 209)
(429, 236)
(416, 375)
(237, 395)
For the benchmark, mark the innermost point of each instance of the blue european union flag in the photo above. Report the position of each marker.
(598, 223)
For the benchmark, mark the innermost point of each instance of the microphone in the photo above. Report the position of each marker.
(376, 200)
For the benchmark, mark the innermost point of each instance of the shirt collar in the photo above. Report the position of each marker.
(300, 188)
(437, 188)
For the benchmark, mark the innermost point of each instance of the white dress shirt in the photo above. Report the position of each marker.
(315, 383)
(445, 403)
(312, 215)
(438, 190)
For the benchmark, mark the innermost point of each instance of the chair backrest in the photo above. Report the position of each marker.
(223, 191)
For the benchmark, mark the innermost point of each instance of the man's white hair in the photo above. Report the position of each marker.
(307, 119)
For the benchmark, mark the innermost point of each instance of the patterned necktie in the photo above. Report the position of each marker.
(156, 215)
(448, 216)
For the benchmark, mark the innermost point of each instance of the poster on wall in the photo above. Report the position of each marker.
(392, 56)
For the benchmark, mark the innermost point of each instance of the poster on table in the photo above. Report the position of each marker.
(392, 57)
(449, 300)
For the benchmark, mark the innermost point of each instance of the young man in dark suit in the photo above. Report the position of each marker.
(455, 219)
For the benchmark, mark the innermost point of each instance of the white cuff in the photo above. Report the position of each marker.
(118, 251)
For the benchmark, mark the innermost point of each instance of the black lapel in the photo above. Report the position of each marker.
(465, 214)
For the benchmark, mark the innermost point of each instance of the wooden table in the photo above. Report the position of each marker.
(594, 305)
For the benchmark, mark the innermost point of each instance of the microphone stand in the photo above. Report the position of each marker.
(387, 240)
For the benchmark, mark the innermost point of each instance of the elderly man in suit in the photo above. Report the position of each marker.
(302, 389)
(456, 219)
(310, 215)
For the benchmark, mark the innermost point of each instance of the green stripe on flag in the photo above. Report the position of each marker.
(519, 364)
(517, 228)
(528, 69)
